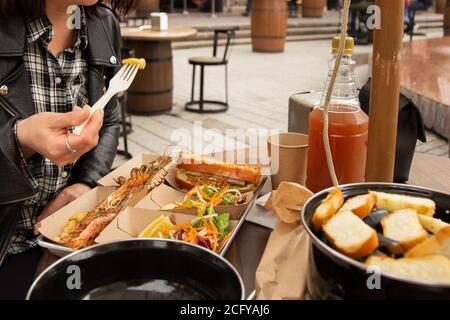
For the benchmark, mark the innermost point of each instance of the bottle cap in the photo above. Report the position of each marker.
(349, 45)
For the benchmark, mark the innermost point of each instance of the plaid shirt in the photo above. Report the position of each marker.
(57, 84)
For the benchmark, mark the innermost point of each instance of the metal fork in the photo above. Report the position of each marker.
(120, 82)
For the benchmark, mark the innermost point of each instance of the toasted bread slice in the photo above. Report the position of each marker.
(431, 268)
(404, 227)
(439, 244)
(328, 208)
(350, 235)
(360, 205)
(394, 202)
(431, 224)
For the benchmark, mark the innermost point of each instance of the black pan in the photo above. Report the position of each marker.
(140, 269)
(332, 275)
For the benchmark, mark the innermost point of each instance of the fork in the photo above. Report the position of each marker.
(120, 82)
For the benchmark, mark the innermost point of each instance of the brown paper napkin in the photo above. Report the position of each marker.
(281, 272)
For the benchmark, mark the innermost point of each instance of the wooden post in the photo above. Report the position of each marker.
(385, 90)
(447, 19)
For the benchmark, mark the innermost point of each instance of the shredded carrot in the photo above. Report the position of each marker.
(200, 214)
(204, 195)
(224, 240)
(215, 200)
(207, 228)
(213, 227)
(215, 243)
(191, 192)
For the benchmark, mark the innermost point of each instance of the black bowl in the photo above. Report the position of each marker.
(140, 269)
(332, 275)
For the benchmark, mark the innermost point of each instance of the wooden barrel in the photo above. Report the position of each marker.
(269, 25)
(313, 8)
(447, 20)
(440, 6)
(151, 91)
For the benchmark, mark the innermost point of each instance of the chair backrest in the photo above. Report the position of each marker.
(230, 34)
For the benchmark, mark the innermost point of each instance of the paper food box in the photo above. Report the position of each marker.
(132, 221)
(165, 195)
(256, 156)
(52, 226)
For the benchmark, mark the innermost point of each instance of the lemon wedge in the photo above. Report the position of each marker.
(154, 228)
(139, 62)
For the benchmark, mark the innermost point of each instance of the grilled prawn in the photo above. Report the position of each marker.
(147, 177)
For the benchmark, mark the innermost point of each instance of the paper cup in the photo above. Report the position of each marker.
(288, 154)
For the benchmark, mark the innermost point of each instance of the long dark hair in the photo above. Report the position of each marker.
(33, 8)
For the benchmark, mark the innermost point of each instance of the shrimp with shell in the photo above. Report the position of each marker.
(147, 177)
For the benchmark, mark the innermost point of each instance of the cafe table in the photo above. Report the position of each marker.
(152, 90)
(248, 247)
(425, 79)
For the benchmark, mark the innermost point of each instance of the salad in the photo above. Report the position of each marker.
(208, 229)
(210, 196)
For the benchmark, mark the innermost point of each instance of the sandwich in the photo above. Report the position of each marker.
(193, 171)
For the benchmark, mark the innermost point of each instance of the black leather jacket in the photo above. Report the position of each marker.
(103, 55)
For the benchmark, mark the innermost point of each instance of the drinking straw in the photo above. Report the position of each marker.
(326, 138)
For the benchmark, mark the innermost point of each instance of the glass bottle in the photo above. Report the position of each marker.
(348, 128)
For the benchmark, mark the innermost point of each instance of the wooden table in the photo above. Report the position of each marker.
(427, 171)
(425, 78)
(152, 90)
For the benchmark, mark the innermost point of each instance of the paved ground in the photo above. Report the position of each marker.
(259, 86)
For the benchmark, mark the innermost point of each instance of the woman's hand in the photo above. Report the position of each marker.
(45, 133)
(66, 196)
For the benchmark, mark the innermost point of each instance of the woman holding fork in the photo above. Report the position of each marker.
(55, 55)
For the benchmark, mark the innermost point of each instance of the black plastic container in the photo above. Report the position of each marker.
(140, 269)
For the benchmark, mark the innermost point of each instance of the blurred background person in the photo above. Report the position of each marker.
(411, 7)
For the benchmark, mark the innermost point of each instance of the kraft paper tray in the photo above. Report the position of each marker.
(61, 251)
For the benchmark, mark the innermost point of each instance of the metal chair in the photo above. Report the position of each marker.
(123, 100)
(214, 60)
